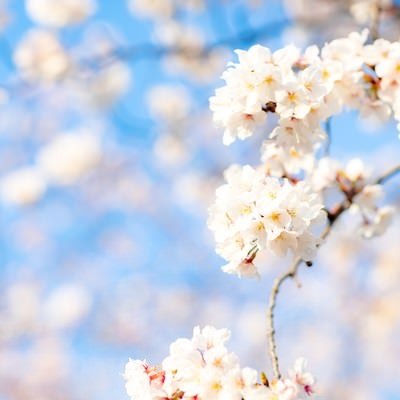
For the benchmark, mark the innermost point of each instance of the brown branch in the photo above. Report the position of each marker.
(292, 272)
(388, 175)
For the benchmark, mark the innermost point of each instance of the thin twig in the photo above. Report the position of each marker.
(388, 175)
(270, 315)
(292, 273)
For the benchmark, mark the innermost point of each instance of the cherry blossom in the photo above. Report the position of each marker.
(254, 212)
(203, 368)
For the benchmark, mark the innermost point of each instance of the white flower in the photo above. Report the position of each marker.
(292, 101)
(317, 82)
(282, 161)
(324, 174)
(298, 134)
(285, 389)
(377, 52)
(303, 379)
(238, 106)
(356, 170)
(348, 51)
(143, 382)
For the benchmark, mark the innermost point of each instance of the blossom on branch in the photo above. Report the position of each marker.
(254, 212)
(202, 368)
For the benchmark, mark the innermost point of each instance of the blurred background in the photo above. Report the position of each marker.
(108, 162)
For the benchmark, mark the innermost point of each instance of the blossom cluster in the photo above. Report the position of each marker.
(354, 181)
(254, 212)
(202, 368)
(305, 89)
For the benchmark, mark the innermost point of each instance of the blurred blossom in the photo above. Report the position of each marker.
(66, 306)
(321, 9)
(183, 37)
(40, 56)
(163, 9)
(194, 190)
(69, 156)
(105, 86)
(60, 13)
(200, 69)
(5, 15)
(23, 186)
(170, 150)
(152, 8)
(20, 310)
(169, 102)
(364, 11)
(352, 14)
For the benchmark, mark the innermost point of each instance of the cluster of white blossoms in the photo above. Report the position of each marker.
(354, 181)
(304, 89)
(277, 206)
(202, 368)
(254, 212)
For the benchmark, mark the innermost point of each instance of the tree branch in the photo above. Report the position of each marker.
(390, 174)
(292, 272)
